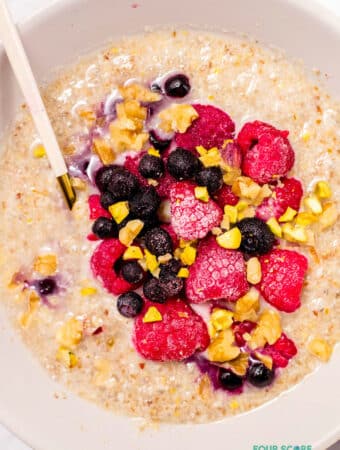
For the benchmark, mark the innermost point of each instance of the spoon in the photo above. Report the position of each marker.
(24, 75)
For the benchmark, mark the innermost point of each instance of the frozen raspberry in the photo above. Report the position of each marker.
(283, 273)
(96, 210)
(102, 263)
(164, 184)
(192, 218)
(179, 334)
(267, 153)
(239, 328)
(210, 129)
(132, 165)
(288, 194)
(282, 351)
(225, 196)
(217, 273)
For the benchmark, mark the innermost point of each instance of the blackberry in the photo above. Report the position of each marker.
(177, 86)
(211, 177)
(257, 238)
(154, 291)
(158, 242)
(105, 228)
(182, 164)
(259, 375)
(170, 269)
(46, 286)
(145, 203)
(229, 380)
(130, 304)
(151, 166)
(157, 143)
(132, 272)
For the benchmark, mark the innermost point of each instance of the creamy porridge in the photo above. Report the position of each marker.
(58, 287)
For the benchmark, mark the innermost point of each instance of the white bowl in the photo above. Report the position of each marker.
(306, 415)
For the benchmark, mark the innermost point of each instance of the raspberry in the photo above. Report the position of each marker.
(217, 273)
(179, 334)
(239, 328)
(132, 165)
(164, 184)
(282, 351)
(102, 263)
(225, 196)
(289, 194)
(267, 153)
(191, 218)
(211, 129)
(96, 210)
(283, 273)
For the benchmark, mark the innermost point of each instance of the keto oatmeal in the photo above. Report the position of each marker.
(195, 277)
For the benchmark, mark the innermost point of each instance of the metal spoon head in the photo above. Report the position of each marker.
(68, 191)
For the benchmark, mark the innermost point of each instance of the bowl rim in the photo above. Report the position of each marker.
(314, 8)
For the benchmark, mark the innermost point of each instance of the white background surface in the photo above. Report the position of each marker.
(22, 9)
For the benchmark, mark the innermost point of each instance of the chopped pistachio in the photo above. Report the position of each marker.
(323, 190)
(151, 261)
(230, 239)
(212, 158)
(231, 212)
(152, 315)
(153, 152)
(201, 193)
(39, 151)
(119, 211)
(66, 357)
(188, 255)
(183, 273)
(288, 215)
(132, 252)
(88, 291)
(295, 233)
(328, 216)
(313, 204)
(274, 226)
(305, 218)
(221, 319)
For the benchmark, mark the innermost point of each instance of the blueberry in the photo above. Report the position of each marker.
(104, 176)
(182, 164)
(145, 203)
(46, 286)
(157, 143)
(121, 183)
(130, 304)
(154, 291)
(158, 242)
(173, 286)
(107, 199)
(257, 238)
(170, 269)
(105, 228)
(132, 272)
(211, 177)
(151, 166)
(229, 380)
(177, 86)
(259, 375)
